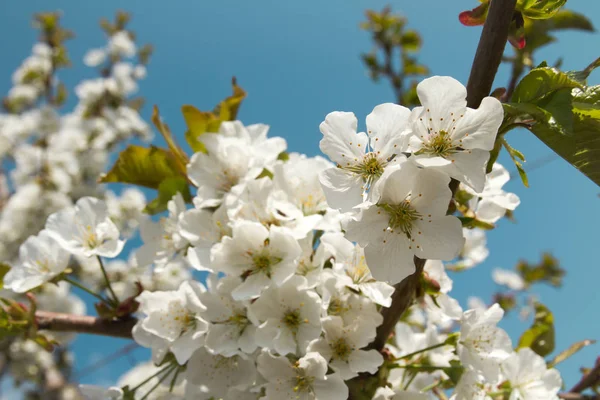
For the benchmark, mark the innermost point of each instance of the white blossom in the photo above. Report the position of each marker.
(361, 158)
(408, 220)
(289, 316)
(85, 229)
(529, 377)
(40, 260)
(305, 379)
(342, 345)
(449, 136)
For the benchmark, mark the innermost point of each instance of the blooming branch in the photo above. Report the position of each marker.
(60, 322)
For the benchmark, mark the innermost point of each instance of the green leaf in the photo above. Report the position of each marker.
(586, 103)
(198, 123)
(265, 174)
(283, 156)
(201, 122)
(410, 40)
(471, 222)
(143, 166)
(166, 190)
(540, 337)
(567, 19)
(539, 82)
(574, 348)
(514, 154)
(547, 271)
(538, 32)
(539, 9)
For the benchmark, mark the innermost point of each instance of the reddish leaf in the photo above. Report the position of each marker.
(475, 16)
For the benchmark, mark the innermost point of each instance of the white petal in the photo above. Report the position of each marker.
(342, 189)
(340, 141)
(481, 125)
(438, 239)
(387, 128)
(391, 261)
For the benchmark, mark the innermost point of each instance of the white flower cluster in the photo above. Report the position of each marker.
(301, 256)
(54, 159)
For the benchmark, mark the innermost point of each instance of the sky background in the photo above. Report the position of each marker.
(301, 60)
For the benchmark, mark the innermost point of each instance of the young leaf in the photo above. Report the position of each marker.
(142, 166)
(574, 348)
(166, 190)
(540, 82)
(540, 9)
(514, 154)
(540, 337)
(201, 122)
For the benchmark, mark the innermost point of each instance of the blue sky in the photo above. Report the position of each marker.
(299, 61)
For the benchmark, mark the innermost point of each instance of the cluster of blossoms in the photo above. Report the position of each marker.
(54, 159)
(300, 255)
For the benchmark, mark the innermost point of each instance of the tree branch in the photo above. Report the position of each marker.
(60, 322)
(485, 65)
(592, 378)
(578, 396)
(401, 300)
(489, 51)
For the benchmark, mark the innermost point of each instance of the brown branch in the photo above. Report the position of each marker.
(578, 396)
(592, 378)
(485, 65)
(401, 300)
(489, 51)
(60, 322)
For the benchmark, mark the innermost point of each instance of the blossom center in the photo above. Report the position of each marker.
(402, 216)
(439, 144)
(292, 319)
(303, 383)
(336, 307)
(341, 349)
(370, 168)
(264, 262)
(182, 318)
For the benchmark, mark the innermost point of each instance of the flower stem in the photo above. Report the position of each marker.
(164, 377)
(86, 289)
(115, 299)
(435, 346)
(168, 366)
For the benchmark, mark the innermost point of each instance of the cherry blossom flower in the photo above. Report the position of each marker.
(408, 220)
(218, 375)
(173, 321)
(492, 203)
(290, 317)
(529, 377)
(232, 329)
(361, 158)
(449, 136)
(86, 229)
(304, 379)
(483, 345)
(40, 260)
(259, 255)
(342, 345)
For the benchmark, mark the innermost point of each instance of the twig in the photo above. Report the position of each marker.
(592, 378)
(60, 322)
(401, 299)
